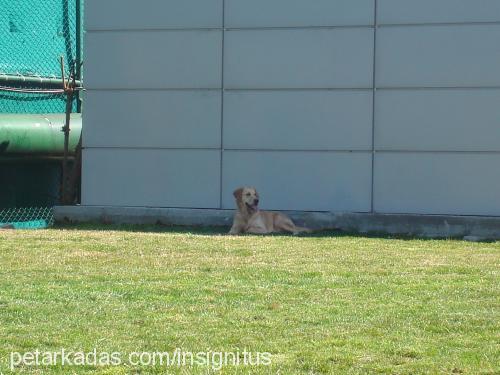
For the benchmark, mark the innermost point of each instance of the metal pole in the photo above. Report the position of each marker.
(79, 62)
(18, 80)
(68, 89)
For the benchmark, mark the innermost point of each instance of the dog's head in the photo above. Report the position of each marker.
(247, 199)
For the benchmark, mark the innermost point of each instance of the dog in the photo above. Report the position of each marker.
(249, 219)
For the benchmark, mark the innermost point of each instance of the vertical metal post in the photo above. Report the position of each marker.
(70, 175)
(66, 129)
(69, 90)
(79, 51)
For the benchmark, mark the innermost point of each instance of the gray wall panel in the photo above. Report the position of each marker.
(311, 120)
(429, 56)
(420, 11)
(153, 59)
(155, 178)
(283, 13)
(152, 14)
(321, 181)
(320, 58)
(152, 118)
(444, 120)
(149, 125)
(437, 183)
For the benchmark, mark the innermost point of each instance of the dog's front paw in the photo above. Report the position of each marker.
(234, 231)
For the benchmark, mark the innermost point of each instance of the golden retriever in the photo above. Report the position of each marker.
(249, 219)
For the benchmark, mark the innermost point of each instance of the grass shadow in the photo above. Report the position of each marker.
(223, 230)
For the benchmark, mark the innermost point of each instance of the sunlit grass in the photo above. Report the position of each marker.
(327, 303)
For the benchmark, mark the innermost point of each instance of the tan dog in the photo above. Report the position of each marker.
(249, 219)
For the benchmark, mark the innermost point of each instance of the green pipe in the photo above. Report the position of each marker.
(37, 134)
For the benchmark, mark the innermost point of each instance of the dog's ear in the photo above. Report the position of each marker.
(238, 194)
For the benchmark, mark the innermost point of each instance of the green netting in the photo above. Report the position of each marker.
(33, 103)
(34, 34)
(26, 218)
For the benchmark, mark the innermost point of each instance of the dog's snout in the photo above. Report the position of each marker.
(256, 201)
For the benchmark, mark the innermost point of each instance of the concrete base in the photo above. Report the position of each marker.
(428, 226)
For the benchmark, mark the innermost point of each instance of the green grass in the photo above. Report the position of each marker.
(324, 304)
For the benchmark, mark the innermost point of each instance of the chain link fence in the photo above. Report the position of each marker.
(34, 34)
(26, 218)
(18, 102)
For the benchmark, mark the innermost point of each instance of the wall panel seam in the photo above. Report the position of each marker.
(221, 161)
(149, 30)
(424, 24)
(256, 28)
(352, 151)
(297, 150)
(387, 88)
(374, 92)
(410, 151)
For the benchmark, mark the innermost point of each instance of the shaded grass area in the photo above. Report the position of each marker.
(329, 303)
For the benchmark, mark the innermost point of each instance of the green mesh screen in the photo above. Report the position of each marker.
(33, 103)
(33, 36)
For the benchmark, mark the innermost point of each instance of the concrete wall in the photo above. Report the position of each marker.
(384, 106)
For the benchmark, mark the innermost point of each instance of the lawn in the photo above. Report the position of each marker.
(328, 303)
